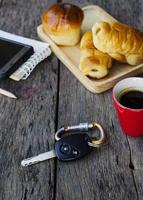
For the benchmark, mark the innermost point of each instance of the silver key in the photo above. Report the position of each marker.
(39, 158)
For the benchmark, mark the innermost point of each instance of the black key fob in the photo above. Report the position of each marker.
(72, 147)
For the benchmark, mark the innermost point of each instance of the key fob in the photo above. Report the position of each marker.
(72, 147)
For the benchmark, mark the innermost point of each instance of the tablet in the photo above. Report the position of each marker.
(12, 56)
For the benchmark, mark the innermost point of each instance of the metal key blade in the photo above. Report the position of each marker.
(39, 158)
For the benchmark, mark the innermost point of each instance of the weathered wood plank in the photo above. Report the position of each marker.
(27, 125)
(136, 145)
(106, 173)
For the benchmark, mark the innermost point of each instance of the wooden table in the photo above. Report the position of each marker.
(50, 98)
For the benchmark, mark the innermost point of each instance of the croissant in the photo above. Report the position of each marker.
(93, 63)
(121, 42)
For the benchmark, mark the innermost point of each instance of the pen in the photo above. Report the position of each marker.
(6, 93)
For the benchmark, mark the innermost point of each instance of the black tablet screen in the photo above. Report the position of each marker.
(7, 51)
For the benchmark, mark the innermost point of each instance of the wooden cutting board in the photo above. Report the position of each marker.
(70, 55)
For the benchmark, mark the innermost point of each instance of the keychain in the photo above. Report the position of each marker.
(71, 147)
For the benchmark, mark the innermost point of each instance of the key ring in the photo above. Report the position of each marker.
(83, 127)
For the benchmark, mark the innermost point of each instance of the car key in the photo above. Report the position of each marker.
(72, 146)
(68, 148)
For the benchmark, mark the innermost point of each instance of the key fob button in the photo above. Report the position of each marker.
(75, 152)
(65, 149)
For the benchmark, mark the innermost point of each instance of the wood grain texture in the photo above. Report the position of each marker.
(108, 173)
(27, 125)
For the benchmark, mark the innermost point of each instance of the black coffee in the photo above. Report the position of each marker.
(132, 99)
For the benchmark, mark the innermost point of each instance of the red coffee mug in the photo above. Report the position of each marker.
(131, 120)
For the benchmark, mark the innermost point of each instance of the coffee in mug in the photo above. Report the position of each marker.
(128, 102)
(132, 99)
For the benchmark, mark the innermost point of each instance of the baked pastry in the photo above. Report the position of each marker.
(62, 22)
(93, 63)
(120, 41)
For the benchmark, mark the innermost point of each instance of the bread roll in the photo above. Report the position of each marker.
(62, 22)
(120, 41)
(93, 63)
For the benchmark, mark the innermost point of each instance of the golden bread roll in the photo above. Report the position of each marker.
(62, 22)
(120, 41)
(93, 63)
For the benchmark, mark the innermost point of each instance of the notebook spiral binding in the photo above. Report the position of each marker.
(32, 62)
(25, 70)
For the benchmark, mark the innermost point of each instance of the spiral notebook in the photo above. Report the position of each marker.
(41, 51)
